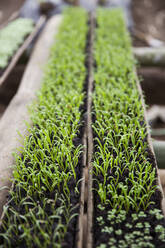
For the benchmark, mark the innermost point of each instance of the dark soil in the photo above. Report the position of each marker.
(9, 88)
(2, 109)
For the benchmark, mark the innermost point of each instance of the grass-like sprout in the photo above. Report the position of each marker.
(43, 208)
(125, 177)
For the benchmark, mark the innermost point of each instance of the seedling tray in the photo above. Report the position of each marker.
(93, 235)
(90, 67)
(26, 94)
(13, 121)
(12, 61)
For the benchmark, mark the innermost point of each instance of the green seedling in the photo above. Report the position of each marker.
(11, 37)
(45, 176)
(124, 173)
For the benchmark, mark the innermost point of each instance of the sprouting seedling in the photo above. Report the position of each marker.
(101, 207)
(50, 159)
(121, 158)
(100, 220)
(107, 229)
(11, 37)
(118, 232)
(78, 182)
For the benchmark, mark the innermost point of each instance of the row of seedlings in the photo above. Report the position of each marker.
(43, 207)
(11, 37)
(127, 198)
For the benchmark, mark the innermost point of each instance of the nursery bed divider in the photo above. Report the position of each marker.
(16, 114)
(21, 49)
(89, 131)
(80, 224)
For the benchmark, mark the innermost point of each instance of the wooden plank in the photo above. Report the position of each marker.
(90, 135)
(162, 177)
(80, 224)
(16, 114)
(21, 49)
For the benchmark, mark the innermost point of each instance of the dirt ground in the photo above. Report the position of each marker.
(149, 18)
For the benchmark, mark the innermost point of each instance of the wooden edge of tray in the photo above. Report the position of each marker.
(150, 143)
(90, 137)
(80, 224)
(21, 49)
(16, 114)
(162, 178)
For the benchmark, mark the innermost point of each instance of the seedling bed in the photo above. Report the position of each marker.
(16, 115)
(127, 199)
(89, 94)
(13, 45)
(43, 207)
